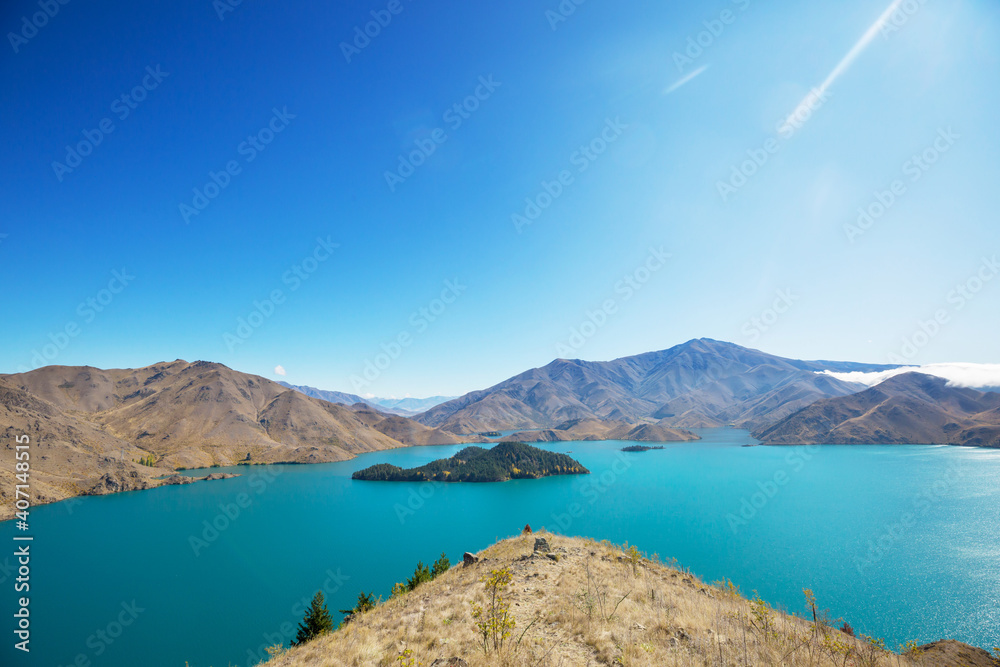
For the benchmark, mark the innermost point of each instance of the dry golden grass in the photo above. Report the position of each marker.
(595, 605)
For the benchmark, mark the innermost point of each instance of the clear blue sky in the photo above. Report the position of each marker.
(610, 68)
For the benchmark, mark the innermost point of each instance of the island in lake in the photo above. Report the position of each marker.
(640, 448)
(508, 460)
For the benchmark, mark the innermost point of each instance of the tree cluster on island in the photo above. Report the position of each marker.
(640, 448)
(507, 460)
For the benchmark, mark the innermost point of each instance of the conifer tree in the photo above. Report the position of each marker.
(317, 621)
(420, 575)
(440, 566)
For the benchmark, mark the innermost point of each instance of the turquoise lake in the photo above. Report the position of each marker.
(903, 542)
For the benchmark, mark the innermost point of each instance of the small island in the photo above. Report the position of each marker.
(639, 448)
(508, 460)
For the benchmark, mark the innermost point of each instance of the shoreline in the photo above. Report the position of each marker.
(7, 511)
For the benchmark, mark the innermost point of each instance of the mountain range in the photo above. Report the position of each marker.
(701, 383)
(90, 428)
(406, 407)
(912, 408)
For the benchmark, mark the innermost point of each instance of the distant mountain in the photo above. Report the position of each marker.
(411, 405)
(701, 383)
(338, 397)
(912, 408)
(86, 424)
(407, 407)
(507, 460)
(606, 429)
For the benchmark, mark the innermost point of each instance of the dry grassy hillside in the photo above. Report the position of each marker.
(89, 427)
(586, 603)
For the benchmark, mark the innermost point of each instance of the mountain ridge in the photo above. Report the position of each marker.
(911, 408)
(700, 383)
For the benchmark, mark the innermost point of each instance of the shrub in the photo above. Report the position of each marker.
(494, 622)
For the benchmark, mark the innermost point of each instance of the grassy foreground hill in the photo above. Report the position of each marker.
(586, 603)
(507, 460)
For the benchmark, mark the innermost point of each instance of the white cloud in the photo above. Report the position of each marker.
(279, 370)
(975, 376)
(682, 81)
(369, 395)
(819, 93)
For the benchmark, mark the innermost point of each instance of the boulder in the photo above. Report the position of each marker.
(469, 559)
(951, 653)
(541, 544)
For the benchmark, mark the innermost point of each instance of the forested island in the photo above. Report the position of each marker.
(508, 460)
(639, 448)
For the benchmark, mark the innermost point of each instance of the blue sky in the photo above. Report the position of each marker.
(586, 109)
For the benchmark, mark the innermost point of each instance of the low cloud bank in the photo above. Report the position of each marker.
(975, 376)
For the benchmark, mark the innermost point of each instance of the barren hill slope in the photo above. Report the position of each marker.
(86, 422)
(912, 408)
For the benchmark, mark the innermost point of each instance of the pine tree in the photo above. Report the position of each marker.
(317, 621)
(440, 566)
(420, 575)
(366, 602)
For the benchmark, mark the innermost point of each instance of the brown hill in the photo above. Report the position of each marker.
(86, 422)
(912, 408)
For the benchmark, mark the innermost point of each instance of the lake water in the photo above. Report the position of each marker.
(903, 542)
